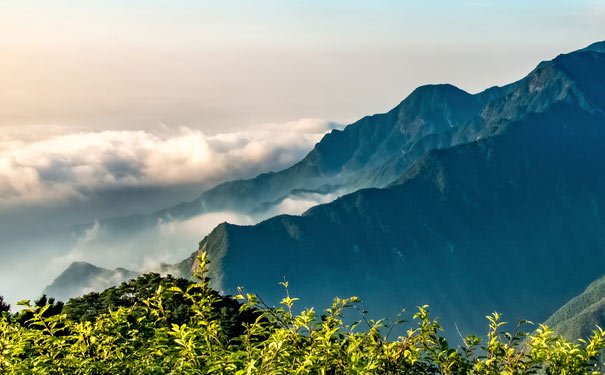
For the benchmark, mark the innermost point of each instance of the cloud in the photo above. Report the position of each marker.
(168, 242)
(75, 165)
(54, 164)
(299, 203)
(77, 252)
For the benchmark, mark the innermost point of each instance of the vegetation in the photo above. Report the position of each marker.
(178, 309)
(4, 307)
(133, 329)
(50, 306)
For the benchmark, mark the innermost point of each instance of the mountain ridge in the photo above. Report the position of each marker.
(513, 187)
(560, 143)
(360, 223)
(335, 161)
(349, 168)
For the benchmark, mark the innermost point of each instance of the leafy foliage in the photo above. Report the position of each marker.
(50, 306)
(144, 338)
(177, 307)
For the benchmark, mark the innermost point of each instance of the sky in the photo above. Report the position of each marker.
(228, 64)
(117, 107)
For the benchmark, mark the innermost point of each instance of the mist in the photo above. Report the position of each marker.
(51, 183)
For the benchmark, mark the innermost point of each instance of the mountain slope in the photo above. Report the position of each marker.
(344, 160)
(579, 317)
(489, 225)
(377, 149)
(366, 144)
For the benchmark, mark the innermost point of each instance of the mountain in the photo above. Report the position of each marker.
(81, 278)
(376, 150)
(371, 152)
(477, 203)
(579, 317)
(500, 222)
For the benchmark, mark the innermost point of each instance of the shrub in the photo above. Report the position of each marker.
(143, 338)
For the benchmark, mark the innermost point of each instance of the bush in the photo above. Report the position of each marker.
(143, 339)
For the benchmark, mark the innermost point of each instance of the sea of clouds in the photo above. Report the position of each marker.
(37, 169)
(65, 169)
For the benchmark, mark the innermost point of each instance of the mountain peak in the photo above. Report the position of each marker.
(435, 108)
(82, 265)
(436, 88)
(429, 94)
(82, 277)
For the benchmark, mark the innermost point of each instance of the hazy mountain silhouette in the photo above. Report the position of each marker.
(371, 152)
(81, 278)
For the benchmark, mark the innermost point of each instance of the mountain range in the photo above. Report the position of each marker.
(469, 203)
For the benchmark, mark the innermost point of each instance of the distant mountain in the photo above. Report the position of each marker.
(579, 317)
(81, 278)
(511, 220)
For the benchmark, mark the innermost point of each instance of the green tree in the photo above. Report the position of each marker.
(177, 307)
(4, 307)
(51, 308)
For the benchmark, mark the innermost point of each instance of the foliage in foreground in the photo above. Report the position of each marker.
(141, 339)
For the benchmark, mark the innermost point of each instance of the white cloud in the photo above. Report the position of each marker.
(37, 169)
(297, 204)
(168, 242)
(45, 164)
(78, 250)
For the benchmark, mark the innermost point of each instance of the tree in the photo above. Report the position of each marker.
(54, 308)
(4, 307)
(177, 307)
